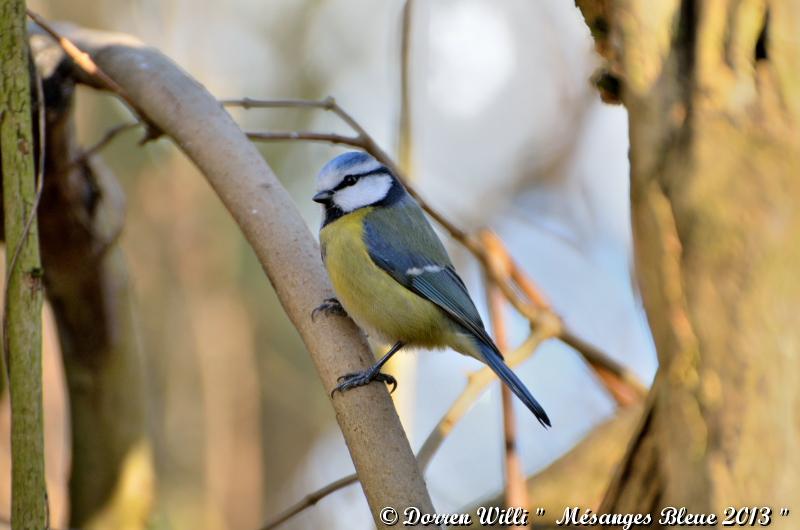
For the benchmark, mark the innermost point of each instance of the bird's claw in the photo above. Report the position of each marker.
(329, 306)
(356, 379)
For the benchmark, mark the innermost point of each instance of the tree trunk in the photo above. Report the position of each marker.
(713, 97)
(22, 340)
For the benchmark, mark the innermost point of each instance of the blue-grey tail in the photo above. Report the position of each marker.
(499, 367)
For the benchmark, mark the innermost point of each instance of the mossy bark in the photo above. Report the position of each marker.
(713, 97)
(23, 337)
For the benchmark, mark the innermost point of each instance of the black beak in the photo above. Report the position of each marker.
(323, 197)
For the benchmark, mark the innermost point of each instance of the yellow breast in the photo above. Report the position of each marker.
(374, 300)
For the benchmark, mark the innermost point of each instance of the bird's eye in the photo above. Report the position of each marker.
(349, 180)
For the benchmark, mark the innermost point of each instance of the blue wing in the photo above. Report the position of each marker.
(416, 259)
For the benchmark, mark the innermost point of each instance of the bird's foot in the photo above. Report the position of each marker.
(356, 379)
(329, 306)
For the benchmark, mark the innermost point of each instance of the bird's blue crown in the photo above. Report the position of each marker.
(346, 161)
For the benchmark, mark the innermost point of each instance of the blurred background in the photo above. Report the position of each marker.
(507, 131)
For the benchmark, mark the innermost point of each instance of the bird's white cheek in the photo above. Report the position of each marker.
(366, 191)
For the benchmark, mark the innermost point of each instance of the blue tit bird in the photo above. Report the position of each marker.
(392, 275)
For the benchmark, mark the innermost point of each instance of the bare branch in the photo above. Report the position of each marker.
(624, 385)
(248, 103)
(85, 62)
(305, 136)
(515, 492)
(110, 135)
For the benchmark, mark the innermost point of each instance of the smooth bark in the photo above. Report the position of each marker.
(202, 129)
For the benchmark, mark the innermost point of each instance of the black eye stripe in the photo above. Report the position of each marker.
(350, 180)
(344, 183)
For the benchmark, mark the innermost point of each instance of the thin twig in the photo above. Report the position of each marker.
(499, 264)
(110, 135)
(248, 103)
(310, 500)
(81, 58)
(305, 136)
(623, 384)
(85, 62)
(528, 287)
(516, 494)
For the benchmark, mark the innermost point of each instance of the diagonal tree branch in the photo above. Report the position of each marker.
(310, 500)
(515, 491)
(289, 254)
